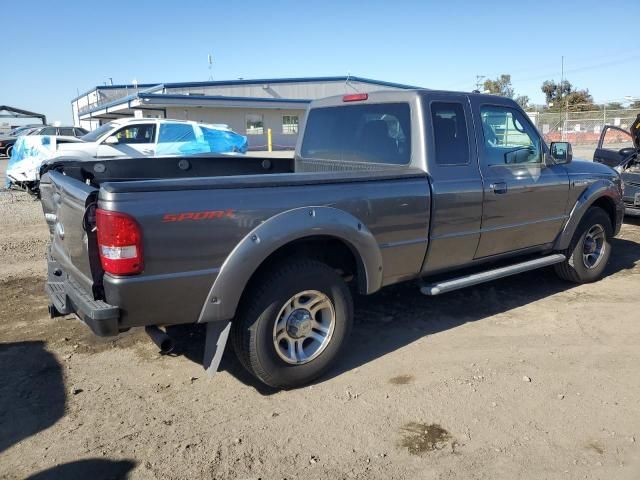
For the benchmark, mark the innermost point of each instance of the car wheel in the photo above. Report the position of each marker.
(589, 250)
(8, 151)
(293, 323)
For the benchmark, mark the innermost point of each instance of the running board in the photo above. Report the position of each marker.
(476, 278)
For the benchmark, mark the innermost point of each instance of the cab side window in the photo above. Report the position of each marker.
(136, 134)
(176, 132)
(65, 131)
(508, 137)
(450, 133)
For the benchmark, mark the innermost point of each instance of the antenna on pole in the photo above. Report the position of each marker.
(210, 61)
(347, 82)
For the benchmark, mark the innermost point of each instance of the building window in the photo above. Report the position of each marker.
(255, 124)
(290, 124)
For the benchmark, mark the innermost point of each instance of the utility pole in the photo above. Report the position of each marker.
(564, 126)
(479, 79)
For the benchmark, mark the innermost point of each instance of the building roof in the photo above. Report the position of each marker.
(220, 83)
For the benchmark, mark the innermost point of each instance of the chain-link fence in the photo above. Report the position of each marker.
(582, 129)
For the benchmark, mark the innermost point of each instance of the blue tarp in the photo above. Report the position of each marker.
(28, 153)
(183, 139)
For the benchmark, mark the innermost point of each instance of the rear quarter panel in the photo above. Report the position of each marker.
(184, 248)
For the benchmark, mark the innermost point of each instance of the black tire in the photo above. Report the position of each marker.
(574, 269)
(253, 329)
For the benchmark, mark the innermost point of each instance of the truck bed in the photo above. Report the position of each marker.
(184, 250)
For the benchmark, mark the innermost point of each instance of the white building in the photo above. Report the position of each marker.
(250, 107)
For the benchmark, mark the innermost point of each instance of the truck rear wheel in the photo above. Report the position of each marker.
(293, 323)
(589, 250)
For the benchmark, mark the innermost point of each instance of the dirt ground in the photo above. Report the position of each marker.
(525, 378)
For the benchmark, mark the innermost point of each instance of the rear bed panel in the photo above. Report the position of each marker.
(188, 233)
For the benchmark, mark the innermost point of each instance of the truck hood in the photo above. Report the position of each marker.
(78, 147)
(585, 166)
(71, 143)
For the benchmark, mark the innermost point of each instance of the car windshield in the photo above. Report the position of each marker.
(20, 131)
(98, 132)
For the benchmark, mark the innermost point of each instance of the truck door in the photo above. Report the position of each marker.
(137, 140)
(456, 189)
(614, 146)
(525, 200)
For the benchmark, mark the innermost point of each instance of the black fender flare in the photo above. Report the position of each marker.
(595, 191)
(286, 227)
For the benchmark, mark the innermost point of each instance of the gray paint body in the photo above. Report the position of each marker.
(400, 222)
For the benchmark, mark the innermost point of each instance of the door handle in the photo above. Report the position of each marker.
(498, 187)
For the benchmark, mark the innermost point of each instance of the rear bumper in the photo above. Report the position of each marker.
(67, 297)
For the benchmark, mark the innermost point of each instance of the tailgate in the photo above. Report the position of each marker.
(66, 203)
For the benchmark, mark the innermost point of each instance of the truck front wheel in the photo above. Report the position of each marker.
(589, 250)
(293, 323)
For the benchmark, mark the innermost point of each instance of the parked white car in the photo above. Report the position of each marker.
(148, 137)
(124, 138)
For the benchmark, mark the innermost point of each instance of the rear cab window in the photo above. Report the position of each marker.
(451, 139)
(369, 133)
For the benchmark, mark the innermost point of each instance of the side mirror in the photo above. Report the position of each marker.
(561, 152)
(112, 140)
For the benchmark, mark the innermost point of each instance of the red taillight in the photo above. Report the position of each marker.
(355, 97)
(119, 243)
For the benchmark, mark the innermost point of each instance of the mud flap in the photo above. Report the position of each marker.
(217, 335)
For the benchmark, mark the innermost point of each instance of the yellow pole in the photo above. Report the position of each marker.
(269, 144)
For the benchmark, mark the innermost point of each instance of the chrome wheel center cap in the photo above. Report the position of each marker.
(590, 246)
(299, 323)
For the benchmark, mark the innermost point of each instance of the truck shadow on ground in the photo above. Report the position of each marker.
(32, 399)
(32, 396)
(399, 315)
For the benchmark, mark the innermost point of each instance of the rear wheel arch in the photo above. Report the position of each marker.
(339, 240)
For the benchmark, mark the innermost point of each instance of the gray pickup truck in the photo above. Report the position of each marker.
(446, 189)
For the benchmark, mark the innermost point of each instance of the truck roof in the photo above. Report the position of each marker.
(389, 96)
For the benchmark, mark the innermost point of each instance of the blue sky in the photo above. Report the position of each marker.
(52, 50)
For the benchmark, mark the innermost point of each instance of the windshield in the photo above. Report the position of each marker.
(98, 132)
(20, 131)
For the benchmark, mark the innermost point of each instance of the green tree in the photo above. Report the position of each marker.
(553, 91)
(500, 86)
(563, 95)
(578, 101)
(635, 104)
(614, 106)
(523, 101)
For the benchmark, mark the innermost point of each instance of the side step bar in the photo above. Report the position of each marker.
(476, 278)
